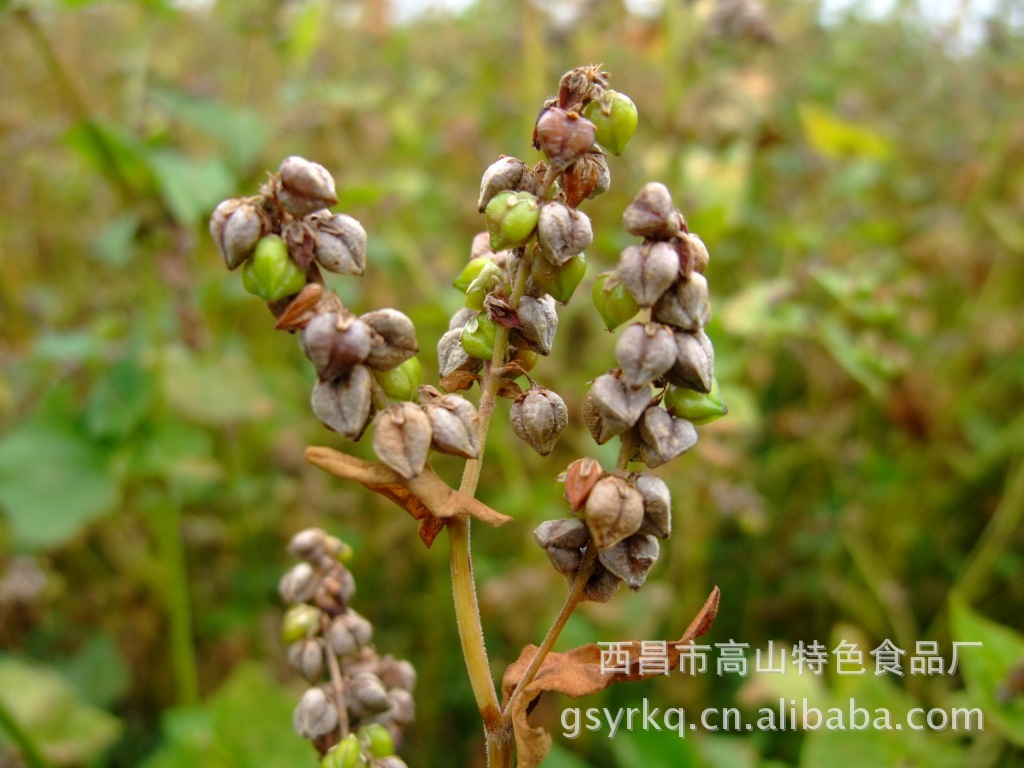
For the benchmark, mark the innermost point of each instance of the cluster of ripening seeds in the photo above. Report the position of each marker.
(359, 701)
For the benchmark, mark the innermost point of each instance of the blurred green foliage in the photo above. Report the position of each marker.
(861, 190)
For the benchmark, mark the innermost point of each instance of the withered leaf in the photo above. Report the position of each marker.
(580, 477)
(577, 673)
(456, 381)
(508, 388)
(501, 312)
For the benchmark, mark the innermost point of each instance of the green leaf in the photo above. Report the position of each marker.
(120, 400)
(657, 749)
(214, 392)
(97, 671)
(67, 730)
(766, 309)
(986, 670)
(54, 480)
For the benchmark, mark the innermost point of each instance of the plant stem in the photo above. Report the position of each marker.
(33, 755)
(337, 684)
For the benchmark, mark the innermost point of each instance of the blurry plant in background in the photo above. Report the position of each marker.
(860, 188)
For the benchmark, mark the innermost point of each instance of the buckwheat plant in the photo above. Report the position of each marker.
(530, 260)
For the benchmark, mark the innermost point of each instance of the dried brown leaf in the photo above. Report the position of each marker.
(508, 388)
(577, 673)
(456, 381)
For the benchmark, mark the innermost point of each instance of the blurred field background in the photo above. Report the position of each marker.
(860, 186)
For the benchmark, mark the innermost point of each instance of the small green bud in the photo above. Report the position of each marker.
(696, 407)
(347, 753)
(615, 119)
(271, 273)
(400, 382)
(511, 219)
(560, 281)
(478, 337)
(377, 739)
(469, 273)
(482, 284)
(300, 621)
(614, 304)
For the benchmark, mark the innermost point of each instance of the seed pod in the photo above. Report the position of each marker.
(397, 673)
(664, 437)
(602, 426)
(632, 559)
(299, 583)
(335, 342)
(685, 305)
(563, 136)
(657, 505)
(696, 407)
(359, 626)
(366, 695)
(613, 302)
(460, 318)
(601, 586)
(315, 716)
(511, 219)
(394, 338)
(695, 362)
(565, 533)
(347, 753)
(614, 397)
(403, 707)
(699, 257)
(452, 356)
(585, 179)
(615, 119)
(559, 281)
(455, 426)
(236, 227)
(580, 478)
(376, 739)
(341, 639)
(538, 417)
(614, 510)
(310, 545)
(566, 560)
(644, 352)
(471, 270)
(304, 187)
(539, 323)
(562, 232)
(344, 404)
(271, 273)
(400, 382)
(477, 337)
(401, 438)
(340, 244)
(300, 621)
(485, 282)
(505, 174)
(651, 214)
(307, 657)
(648, 270)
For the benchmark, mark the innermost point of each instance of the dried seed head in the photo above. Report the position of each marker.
(401, 438)
(580, 478)
(585, 179)
(344, 404)
(316, 715)
(644, 352)
(566, 560)
(359, 626)
(403, 707)
(397, 673)
(335, 342)
(563, 137)
(366, 695)
(505, 174)
(307, 657)
(538, 417)
(632, 559)
(617, 399)
(664, 437)
(601, 586)
(299, 583)
(695, 362)
(340, 244)
(455, 426)
(452, 356)
(566, 533)
(685, 305)
(698, 253)
(393, 341)
(309, 544)
(342, 642)
(236, 227)
(562, 232)
(657, 505)
(651, 214)
(304, 187)
(614, 510)
(602, 426)
(648, 270)
(539, 323)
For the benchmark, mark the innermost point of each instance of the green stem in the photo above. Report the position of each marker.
(33, 755)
